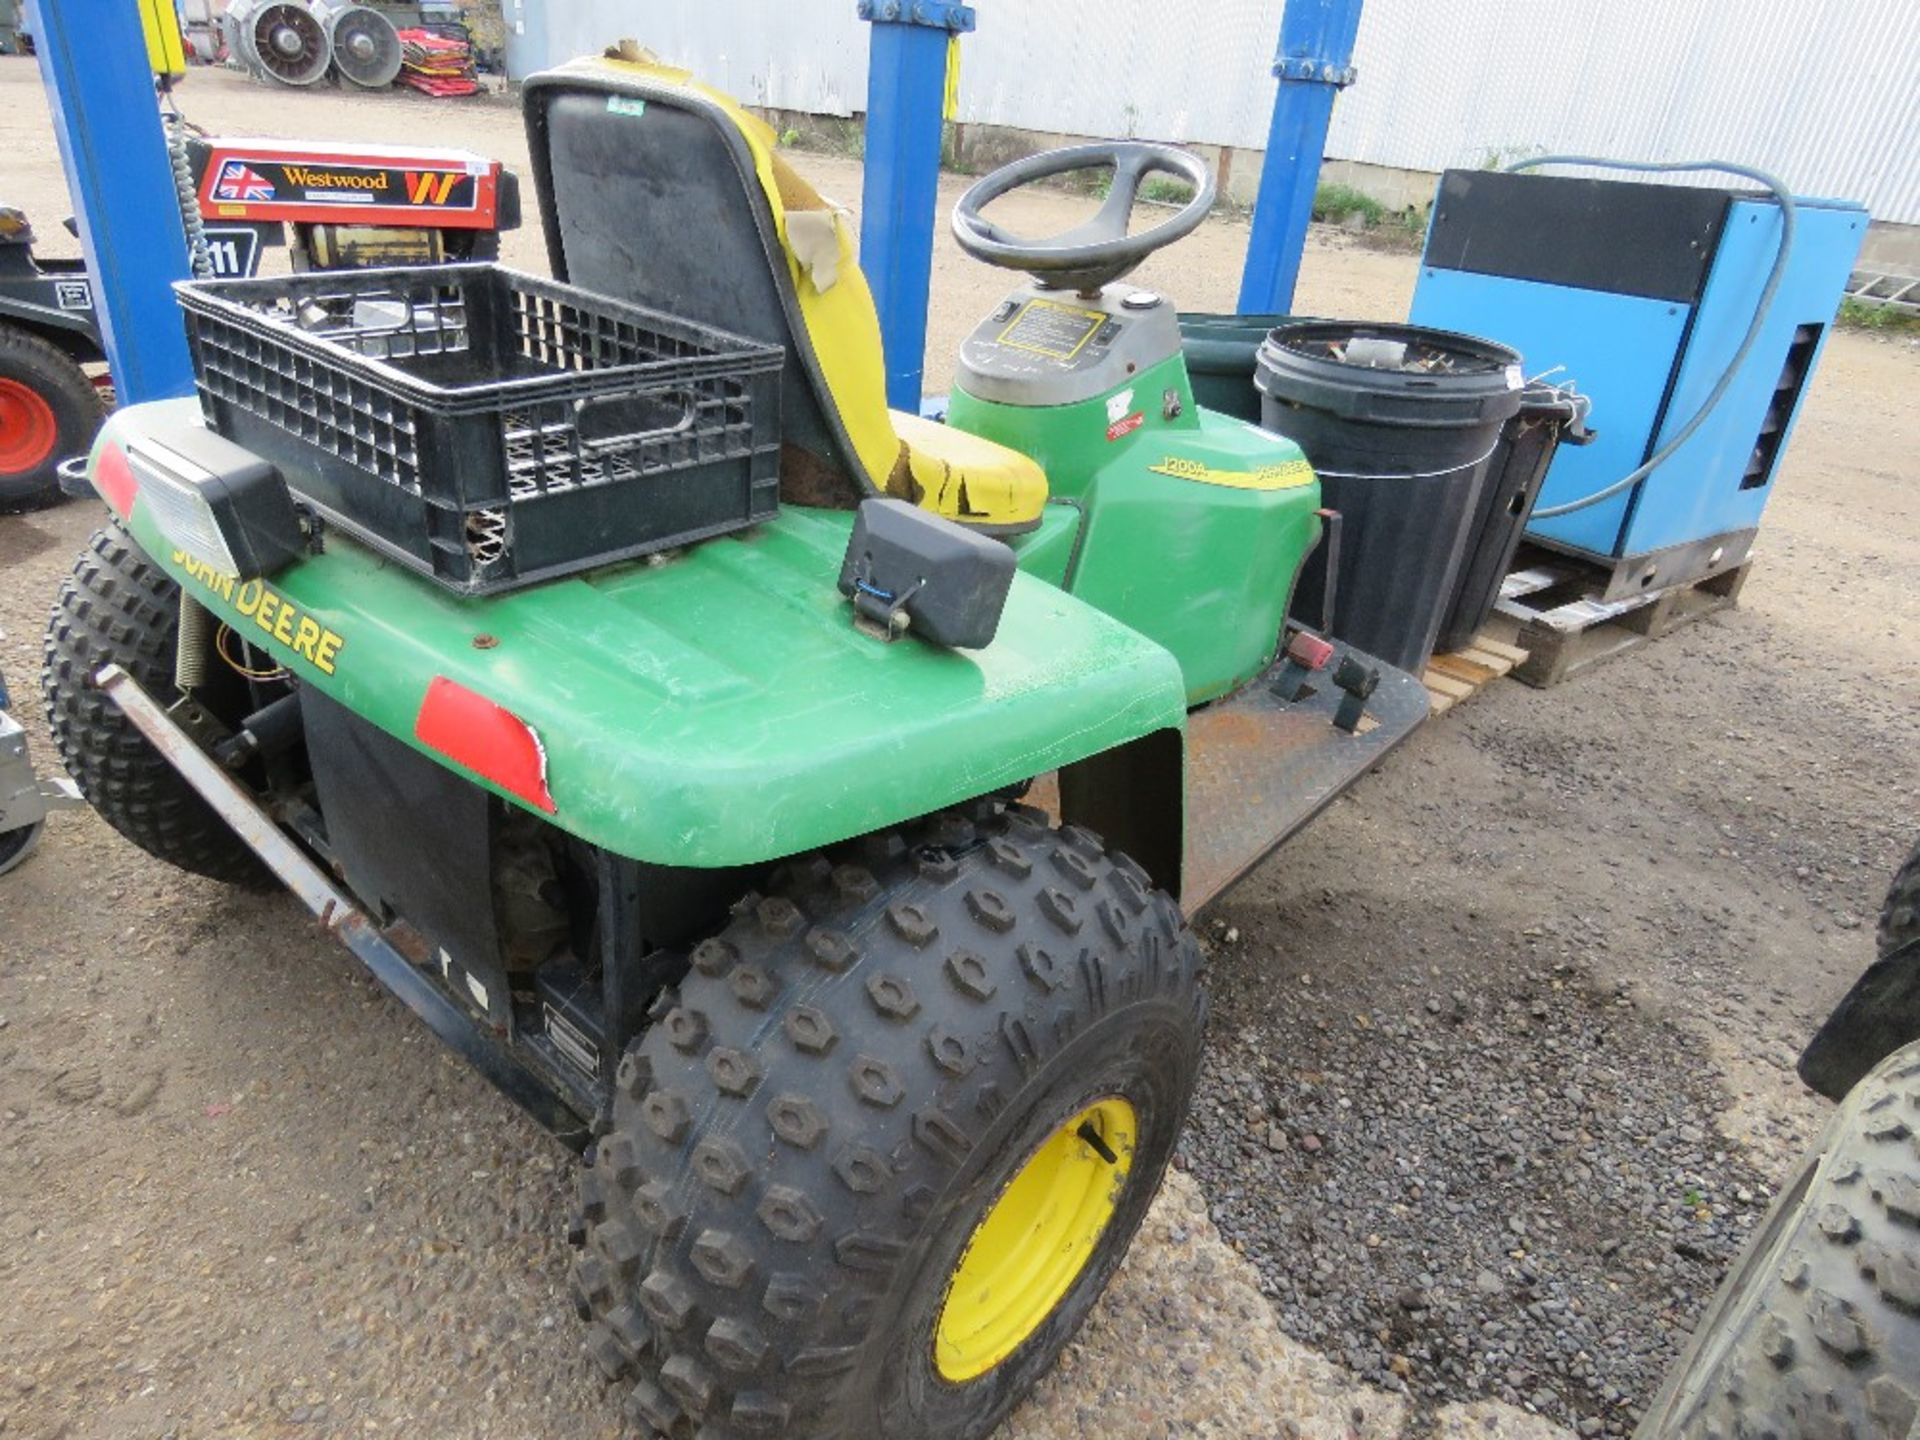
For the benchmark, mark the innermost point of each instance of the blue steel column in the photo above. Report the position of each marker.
(1314, 63)
(93, 61)
(906, 82)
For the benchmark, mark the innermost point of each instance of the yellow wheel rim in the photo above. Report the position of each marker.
(1027, 1250)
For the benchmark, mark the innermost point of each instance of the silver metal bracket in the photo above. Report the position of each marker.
(935, 14)
(25, 798)
(198, 721)
(1315, 70)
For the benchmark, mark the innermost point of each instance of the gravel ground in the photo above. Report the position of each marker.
(1502, 1061)
(1548, 968)
(1505, 1194)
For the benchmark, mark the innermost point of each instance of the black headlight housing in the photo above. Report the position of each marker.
(219, 504)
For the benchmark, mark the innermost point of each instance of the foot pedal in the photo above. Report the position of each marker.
(1306, 653)
(1359, 681)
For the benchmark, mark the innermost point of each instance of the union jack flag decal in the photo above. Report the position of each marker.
(238, 182)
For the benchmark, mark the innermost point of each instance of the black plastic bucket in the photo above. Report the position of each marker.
(1400, 422)
(1548, 417)
(1222, 352)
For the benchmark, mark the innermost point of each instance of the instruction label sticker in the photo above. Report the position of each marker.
(1287, 475)
(626, 105)
(1046, 327)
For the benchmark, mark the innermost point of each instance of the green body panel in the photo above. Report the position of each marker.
(717, 708)
(1047, 551)
(1202, 560)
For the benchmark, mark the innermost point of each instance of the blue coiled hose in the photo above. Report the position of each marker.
(1760, 310)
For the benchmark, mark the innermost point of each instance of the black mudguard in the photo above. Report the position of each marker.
(1879, 1015)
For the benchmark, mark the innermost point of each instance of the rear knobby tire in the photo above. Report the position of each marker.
(72, 410)
(1816, 1332)
(1900, 916)
(119, 607)
(844, 1083)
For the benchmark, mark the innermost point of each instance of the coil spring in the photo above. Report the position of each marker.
(197, 252)
(190, 646)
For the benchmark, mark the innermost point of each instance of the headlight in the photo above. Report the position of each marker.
(222, 506)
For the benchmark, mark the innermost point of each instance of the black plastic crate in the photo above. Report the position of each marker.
(485, 427)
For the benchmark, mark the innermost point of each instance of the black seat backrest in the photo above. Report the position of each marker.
(648, 194)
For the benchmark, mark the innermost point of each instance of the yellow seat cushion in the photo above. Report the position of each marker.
(966, 478)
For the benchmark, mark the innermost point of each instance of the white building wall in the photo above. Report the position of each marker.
(1824, 93)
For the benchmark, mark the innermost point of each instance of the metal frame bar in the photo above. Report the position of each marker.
(1314, 62)
(337, 913)
(93, 61)
(618, 919)
(906, 83)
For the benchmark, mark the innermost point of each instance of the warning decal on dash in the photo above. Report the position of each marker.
(1046, 327)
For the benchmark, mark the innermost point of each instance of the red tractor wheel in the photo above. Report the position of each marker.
(28, 429)
(48, 412)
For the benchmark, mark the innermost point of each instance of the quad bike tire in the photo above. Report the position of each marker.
(17, 844)
(1900, 916)
(49, 411)
(1815, 1335)
(119, 607)
(782, 1229)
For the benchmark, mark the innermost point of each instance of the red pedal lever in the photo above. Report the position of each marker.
(1305, 654)
(1309, 651)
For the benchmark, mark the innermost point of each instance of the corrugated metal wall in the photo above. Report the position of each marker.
(1825, 93)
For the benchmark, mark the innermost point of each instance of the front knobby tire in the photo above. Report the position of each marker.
(119, 607)
(1816, 1331)
(848, 1081)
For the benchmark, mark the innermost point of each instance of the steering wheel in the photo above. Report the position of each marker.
(1100, 249)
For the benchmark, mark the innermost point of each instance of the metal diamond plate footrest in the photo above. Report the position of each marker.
(1260, 767)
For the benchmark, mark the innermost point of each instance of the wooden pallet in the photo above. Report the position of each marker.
(1465, 673)
(1565, 627)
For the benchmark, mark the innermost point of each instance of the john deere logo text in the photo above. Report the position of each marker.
(277, 617)
(336, 179)
(428, 187)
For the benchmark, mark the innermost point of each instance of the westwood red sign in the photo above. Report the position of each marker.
(278, 180)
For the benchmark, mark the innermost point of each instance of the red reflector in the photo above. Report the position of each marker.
(1310, 650)
(113, 478)
(493, 742)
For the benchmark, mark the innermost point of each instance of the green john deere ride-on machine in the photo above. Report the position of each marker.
(795, 805)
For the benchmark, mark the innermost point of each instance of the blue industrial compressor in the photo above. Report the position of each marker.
(1644, 294)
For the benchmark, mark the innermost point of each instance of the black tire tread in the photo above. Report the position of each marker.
(1900, 916)
(1815, 1334)
(119, 606)
(769, 1162)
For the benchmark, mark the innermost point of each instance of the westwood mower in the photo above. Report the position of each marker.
(333, 206)
(797, 806)
(49, 409)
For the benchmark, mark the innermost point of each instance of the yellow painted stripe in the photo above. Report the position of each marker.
(1285, 476)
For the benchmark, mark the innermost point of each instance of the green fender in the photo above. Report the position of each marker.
(717, 707)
